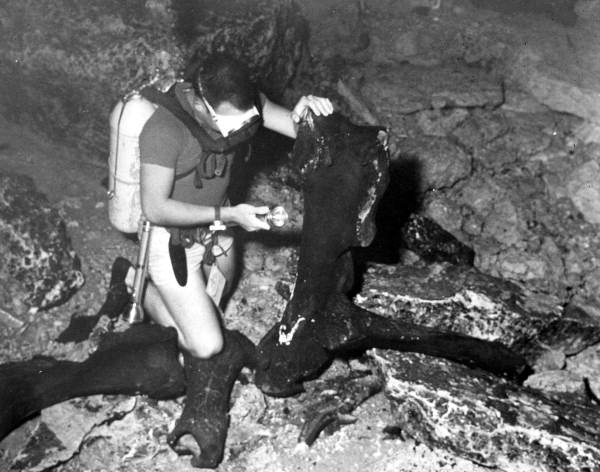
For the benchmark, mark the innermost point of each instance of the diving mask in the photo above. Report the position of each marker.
(227, 124)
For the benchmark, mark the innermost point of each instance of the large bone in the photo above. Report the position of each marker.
(210, 381)
(345, 172)
(141, 360)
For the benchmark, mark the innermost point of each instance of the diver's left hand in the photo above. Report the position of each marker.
(319, 106)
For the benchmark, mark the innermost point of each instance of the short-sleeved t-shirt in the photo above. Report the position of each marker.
(167, 142)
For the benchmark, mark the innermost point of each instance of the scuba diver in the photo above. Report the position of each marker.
(184, 179)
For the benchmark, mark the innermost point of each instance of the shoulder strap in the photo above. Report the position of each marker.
(208, 143)
(170, 103)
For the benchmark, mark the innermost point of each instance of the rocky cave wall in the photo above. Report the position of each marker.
(493, 110)
(493, 107)
(64, 64)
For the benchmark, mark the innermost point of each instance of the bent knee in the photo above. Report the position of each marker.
(205, 348)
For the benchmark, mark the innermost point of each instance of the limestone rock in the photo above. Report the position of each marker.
(552, 359)
(440, 163)
(588, 132)
(63, 76)
(491, 422)
(136, 441)
(408, 88)
(480, 128)
(426, 238)
(574, 332)
(554, 88)
(38, 267)
(464, 300)
(587, 365)
(521, 102)
(559, 384)
(436, 123)
(268, 35)
(583, 187)
(64, 427)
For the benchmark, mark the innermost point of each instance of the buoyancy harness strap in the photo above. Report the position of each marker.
(213, 161)
(215, 145)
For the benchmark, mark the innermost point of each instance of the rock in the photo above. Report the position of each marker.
(440, 163)
(480, 128)
(8, 320)
(38, 267)
(279, 261)
(407, 88)
(406, 45)
(268, 35)
(583, 188)
(254, 257)
(559, 384)
(574, 332)
(560, 11)
(247, 414)
(437, 123)
(64, 427)
(590, 306)
(136, 441)
(477, 98)
(588, 132)
(464, 300)
(554, 88)
(445, 212)
(424, 237)
(587, 364)
(503, 223)
(551, 359)
(90, 54)
(491, 422)
(249, 404)
(329, 402)
(521, 102)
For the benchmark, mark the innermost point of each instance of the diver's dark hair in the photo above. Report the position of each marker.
(221, 77)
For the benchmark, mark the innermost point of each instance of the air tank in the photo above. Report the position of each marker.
(127, 120)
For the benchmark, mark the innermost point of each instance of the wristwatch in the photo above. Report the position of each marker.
(217, 223)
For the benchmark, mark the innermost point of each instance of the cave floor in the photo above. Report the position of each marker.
(137, 440)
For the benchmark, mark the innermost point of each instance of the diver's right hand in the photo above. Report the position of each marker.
(247, 216)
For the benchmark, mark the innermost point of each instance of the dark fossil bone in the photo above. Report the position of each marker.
(209, 385)
(345, 172)
(141, 360)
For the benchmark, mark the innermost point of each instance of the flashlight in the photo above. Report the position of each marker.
(277, 216)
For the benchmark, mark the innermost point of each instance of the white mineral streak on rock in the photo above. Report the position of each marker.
(286, 338)
(473, 303)
(468, 298)
(472, 426)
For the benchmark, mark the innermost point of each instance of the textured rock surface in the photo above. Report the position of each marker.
(587, 365)
(492, 423)
(514, 89)
(463, 300)
(69, 424)
(38, 267)
(426, 238)
(422, 33)
(64, 75)
(583, 188)
(563, 385)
